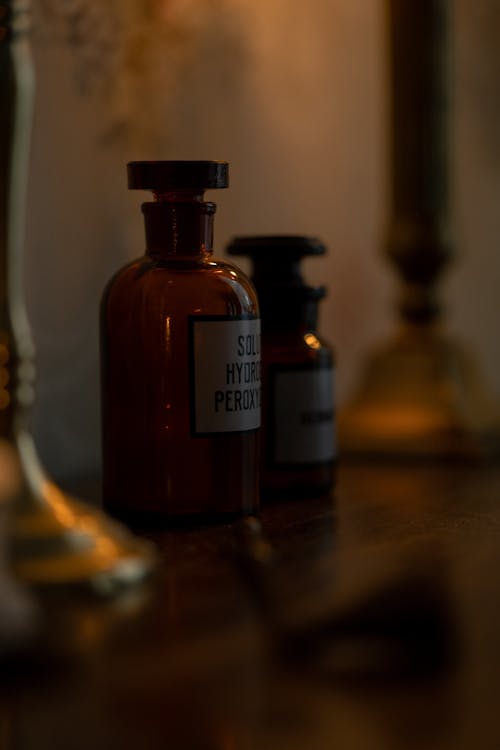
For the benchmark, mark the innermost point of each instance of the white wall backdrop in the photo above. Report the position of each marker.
(294, 96)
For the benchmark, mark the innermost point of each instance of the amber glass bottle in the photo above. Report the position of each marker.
(298, 435)
(180, 352)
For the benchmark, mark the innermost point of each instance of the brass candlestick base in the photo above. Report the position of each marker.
(18, 612)
(55, 539)
(421, 396)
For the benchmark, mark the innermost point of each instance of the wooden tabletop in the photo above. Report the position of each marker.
(367, 620)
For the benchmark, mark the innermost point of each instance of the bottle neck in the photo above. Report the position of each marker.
(178, 228)
(283, 315)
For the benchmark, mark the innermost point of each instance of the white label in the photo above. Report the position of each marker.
(225, 374)
(303, 416)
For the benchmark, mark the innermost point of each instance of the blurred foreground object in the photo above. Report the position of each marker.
(396, 621)
(421, 394)
(55, 540)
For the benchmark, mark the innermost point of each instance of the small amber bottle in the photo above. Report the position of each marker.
(298, 435)
(180, 352)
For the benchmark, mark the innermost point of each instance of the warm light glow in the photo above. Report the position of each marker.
(168, 332)
(56, 501)
(311, 341)
(406, 421)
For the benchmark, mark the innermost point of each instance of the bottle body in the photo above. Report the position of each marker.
(180, 362)
(298, 436)
(298, 422)
(157, 460)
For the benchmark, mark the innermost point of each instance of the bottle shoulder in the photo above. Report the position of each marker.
(195, 283)
(124, 275)
(207, 265)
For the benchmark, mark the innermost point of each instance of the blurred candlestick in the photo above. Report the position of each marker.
(421, 393)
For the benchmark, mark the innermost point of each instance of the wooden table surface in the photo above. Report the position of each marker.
(367, 620)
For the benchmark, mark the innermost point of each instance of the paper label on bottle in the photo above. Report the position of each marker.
(225, 374)
(303, 415)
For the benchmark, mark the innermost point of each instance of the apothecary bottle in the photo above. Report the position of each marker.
(180, 353)
(298, 422)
